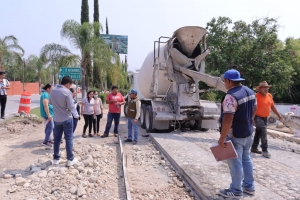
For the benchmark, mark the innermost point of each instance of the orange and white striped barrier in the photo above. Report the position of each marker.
(25, 102)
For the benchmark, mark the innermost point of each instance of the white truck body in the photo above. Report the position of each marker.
(167, 83)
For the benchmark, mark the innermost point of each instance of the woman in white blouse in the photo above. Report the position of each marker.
(99, 113)
(88, 112)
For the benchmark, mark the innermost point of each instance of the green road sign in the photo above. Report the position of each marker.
(73, 76)
(71, 70)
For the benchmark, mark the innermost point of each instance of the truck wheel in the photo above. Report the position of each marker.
(149, 119)
(142, 115)
(125, 109)
(197, 126)
(271, 120)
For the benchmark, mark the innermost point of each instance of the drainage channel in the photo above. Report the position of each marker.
(198, 194)
(124, 167)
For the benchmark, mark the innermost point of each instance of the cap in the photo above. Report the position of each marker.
(232, 75)
(133, 91)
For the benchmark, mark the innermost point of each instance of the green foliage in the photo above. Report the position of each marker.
(10, 49)
(123, 91)
(253, 49)
(84, 11)
(103, 97)
(36, 111)
(96, 11)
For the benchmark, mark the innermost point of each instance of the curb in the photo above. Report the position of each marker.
(283, 136)
(124, 167)
(198, 192)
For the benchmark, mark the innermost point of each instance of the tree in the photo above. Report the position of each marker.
(85, 19)
(84, 11)
(253, 49)
(106, 25)
(96, 66)
(72, 31)
(9, 45)
(37, 64)
(292, 50)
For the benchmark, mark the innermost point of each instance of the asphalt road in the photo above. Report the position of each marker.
(13, 102)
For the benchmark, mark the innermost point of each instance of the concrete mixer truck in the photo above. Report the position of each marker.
(167, 83)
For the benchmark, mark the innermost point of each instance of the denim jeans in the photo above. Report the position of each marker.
(48, 129)
(241, 168)
(65, 127)
(110, 118)
(260, 133)
(75, 122)
(130, 123)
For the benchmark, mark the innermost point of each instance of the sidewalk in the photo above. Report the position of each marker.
(190, 154)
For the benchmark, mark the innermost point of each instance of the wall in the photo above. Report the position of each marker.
(16, 88)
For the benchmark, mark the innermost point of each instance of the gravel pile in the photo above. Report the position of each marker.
(97, 175)
(149, 157)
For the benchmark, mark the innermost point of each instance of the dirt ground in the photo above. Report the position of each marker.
(150, 176)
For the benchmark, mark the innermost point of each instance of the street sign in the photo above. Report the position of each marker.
(73, 72)
(73, 76)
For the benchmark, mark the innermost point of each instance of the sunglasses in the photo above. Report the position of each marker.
(1, 73)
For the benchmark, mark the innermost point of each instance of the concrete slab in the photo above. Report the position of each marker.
(197, 166)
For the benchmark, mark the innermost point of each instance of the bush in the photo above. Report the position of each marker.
(123, 91)
(102, 96)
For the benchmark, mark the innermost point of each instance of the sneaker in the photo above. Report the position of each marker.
(251, 192)
(128, 140)
(91, 135)
(266, 154)
(72, 162)
(47, 144)
(51, 142)
(55, 162)
(229, 194)
(134, 142)
(116, 134)
(104, 135)
(84, 135)
(255, 150)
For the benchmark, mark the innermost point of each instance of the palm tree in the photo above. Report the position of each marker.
(9, 45)
(82, 37)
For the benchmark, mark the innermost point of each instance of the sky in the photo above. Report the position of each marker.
(38, 22)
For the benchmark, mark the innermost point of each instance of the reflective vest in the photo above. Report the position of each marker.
(242, 125)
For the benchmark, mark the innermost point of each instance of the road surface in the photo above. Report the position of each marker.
(13, 102)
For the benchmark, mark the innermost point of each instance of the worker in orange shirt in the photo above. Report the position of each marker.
(265, 104)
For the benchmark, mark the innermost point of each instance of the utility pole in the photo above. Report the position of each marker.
(23, 75)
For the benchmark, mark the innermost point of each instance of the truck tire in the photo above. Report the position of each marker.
(142, 115)
(149, 119)
(198, 126)
(125, 109)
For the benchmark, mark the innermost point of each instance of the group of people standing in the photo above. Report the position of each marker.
(61, 112)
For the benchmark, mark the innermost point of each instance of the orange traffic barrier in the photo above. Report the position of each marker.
(25, 102)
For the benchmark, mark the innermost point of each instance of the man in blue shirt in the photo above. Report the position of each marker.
(237, 110)
(46, 111)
